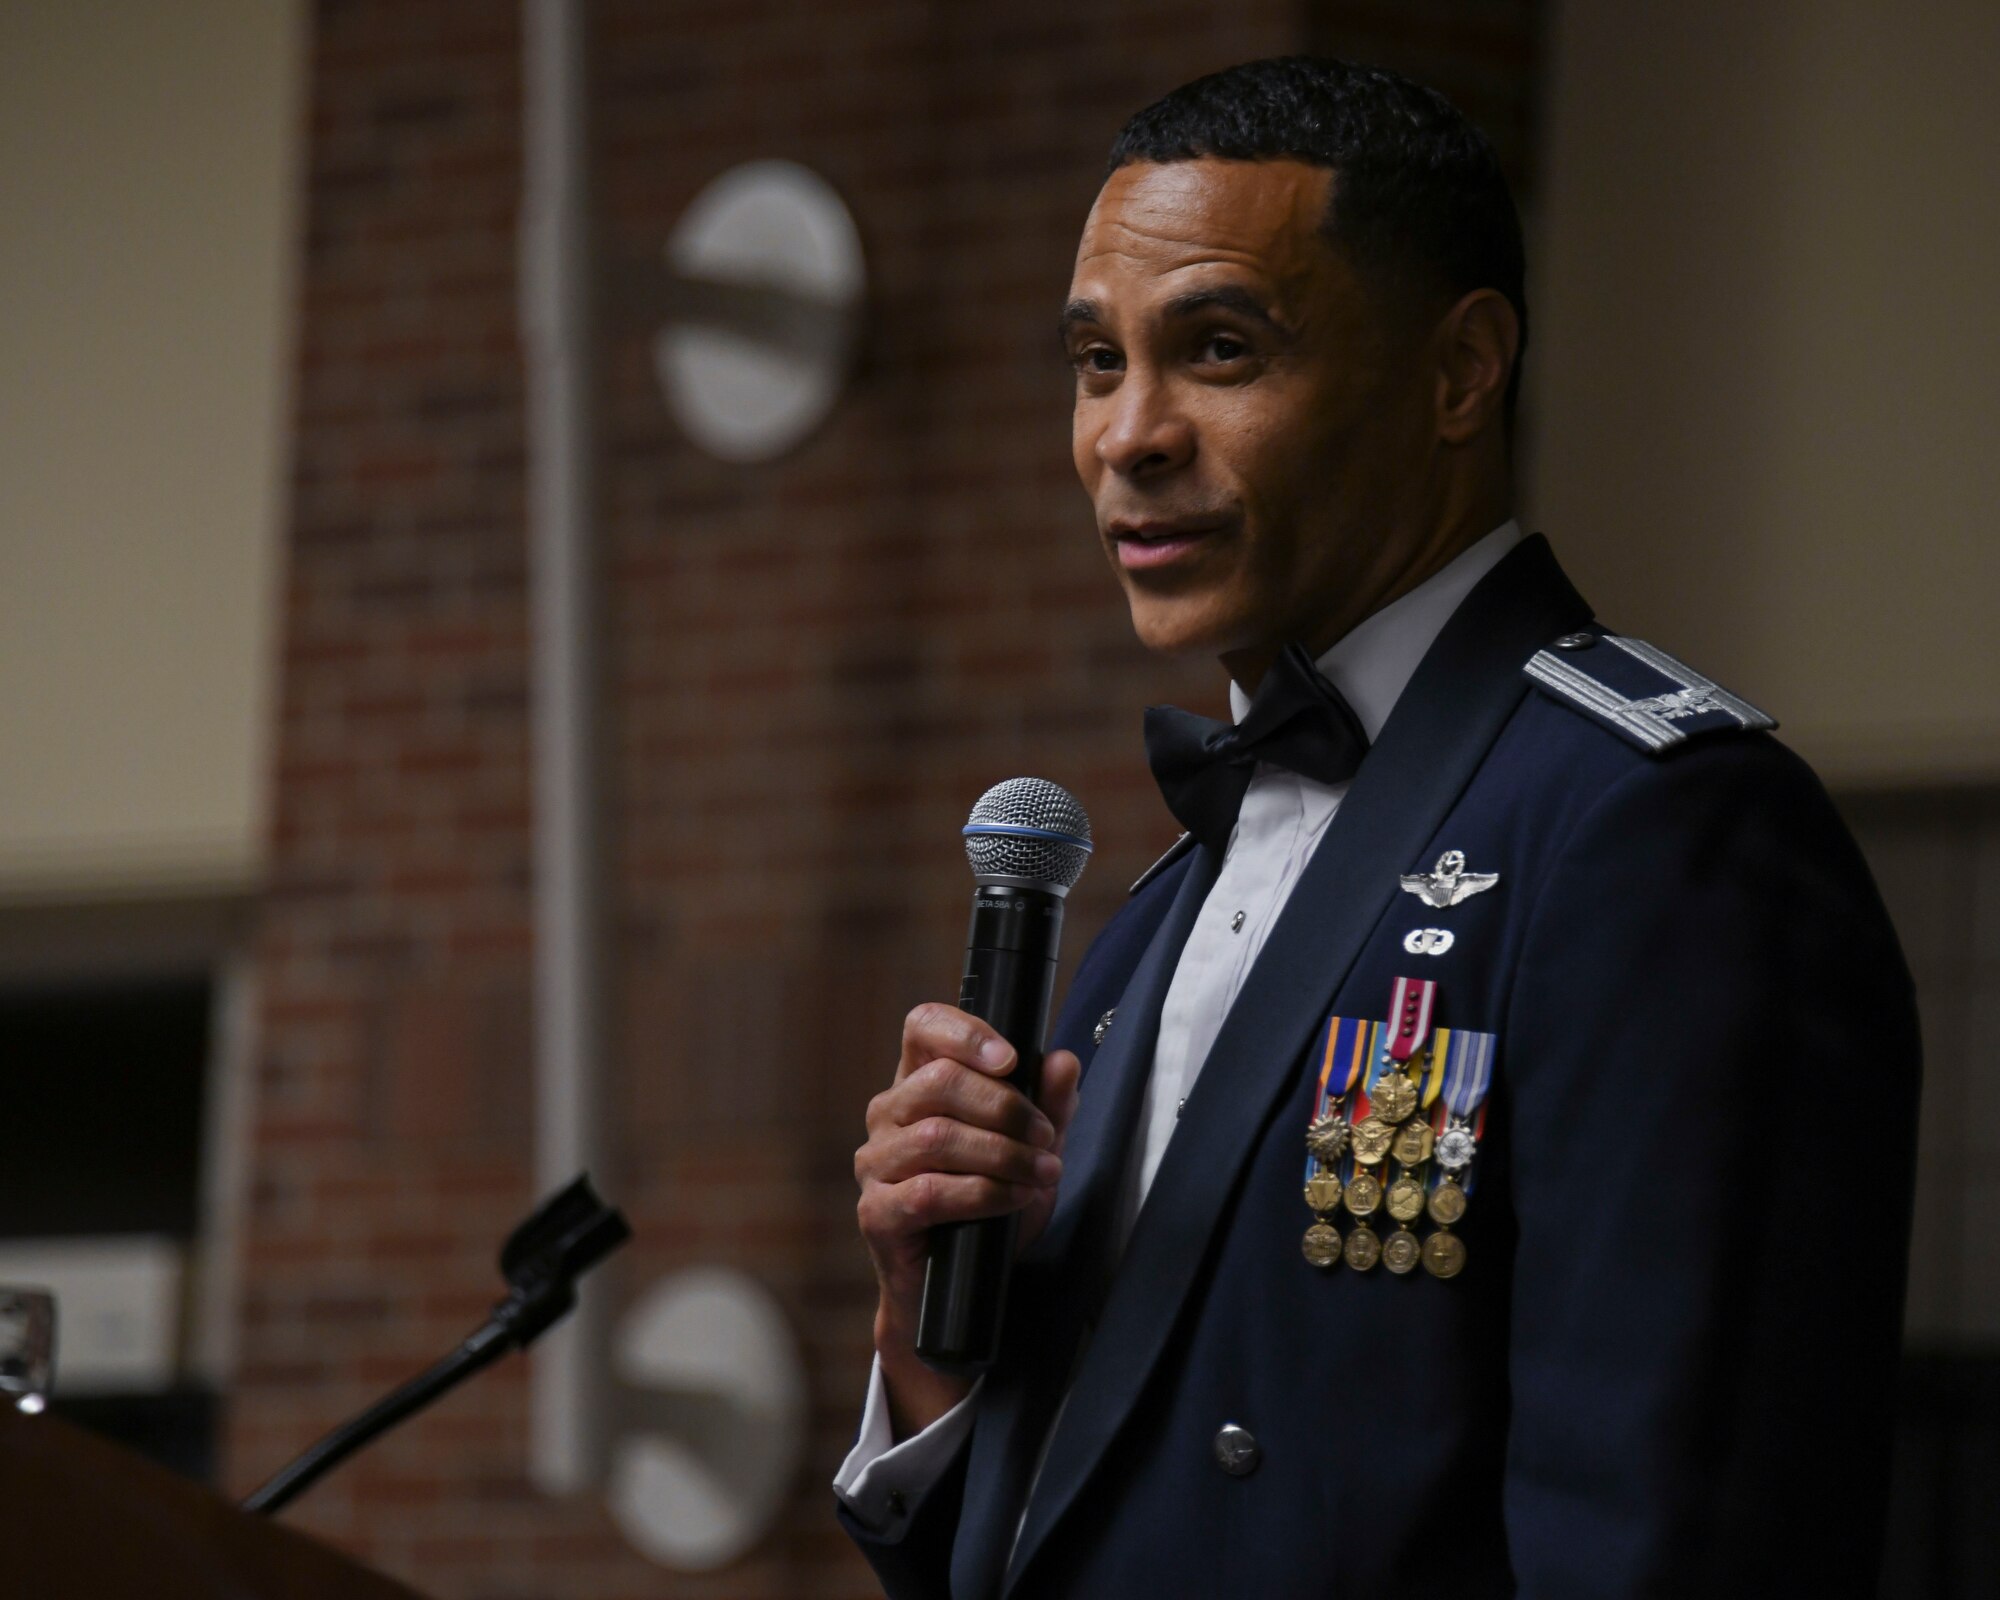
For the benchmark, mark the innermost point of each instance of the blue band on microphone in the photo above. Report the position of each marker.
(1008, 830)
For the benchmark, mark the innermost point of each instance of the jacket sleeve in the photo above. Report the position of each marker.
(1710, 1098)
(912, 1555)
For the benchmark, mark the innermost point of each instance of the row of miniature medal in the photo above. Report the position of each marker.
(1374, 1080)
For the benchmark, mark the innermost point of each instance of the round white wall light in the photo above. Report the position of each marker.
(766, 296)
(710, 1415)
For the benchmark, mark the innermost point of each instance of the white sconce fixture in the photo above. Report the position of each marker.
(762, 303)
(712, 1404)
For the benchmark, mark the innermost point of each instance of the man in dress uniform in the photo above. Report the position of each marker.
(1491, 1165)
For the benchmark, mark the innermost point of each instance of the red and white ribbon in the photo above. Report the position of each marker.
(1410, 1005)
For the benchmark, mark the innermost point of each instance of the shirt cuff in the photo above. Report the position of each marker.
(881, 1480)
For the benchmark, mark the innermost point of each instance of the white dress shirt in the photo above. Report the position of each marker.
(1281, 822)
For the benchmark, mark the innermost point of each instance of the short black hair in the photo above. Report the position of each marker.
(1419, 199)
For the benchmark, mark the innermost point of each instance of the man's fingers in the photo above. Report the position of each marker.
(894, 1210)
(1062, 1080)
(963, 1094)
(935, 1032)
(938, 1144)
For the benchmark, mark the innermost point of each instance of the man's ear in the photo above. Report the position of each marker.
(1477, 343)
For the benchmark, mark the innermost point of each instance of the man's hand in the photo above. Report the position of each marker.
(950, 1141)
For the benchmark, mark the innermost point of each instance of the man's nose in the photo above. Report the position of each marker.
(1146, 434)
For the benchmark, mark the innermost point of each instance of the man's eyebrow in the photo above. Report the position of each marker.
(1226, 297)
(1077, 311)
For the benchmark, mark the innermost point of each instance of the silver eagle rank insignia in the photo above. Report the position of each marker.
(1639, 692)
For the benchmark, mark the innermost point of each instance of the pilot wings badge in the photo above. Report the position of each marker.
(1448, 882)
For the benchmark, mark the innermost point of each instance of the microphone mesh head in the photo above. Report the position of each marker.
(1028, 828)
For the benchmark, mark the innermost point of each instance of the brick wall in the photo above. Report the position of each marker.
(813, 668)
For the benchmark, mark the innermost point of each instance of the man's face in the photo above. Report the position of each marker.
(1252, 427)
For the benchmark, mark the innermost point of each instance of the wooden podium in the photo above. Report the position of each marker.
(81, 1519)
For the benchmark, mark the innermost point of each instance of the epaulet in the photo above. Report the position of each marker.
(1641, 693)
(1175, 851)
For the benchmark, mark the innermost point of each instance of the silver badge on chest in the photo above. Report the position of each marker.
(1448, 882)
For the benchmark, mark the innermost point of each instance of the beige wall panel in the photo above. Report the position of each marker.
(147, 172)
(1766, 374)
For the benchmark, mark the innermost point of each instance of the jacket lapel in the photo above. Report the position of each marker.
(1461, 696)
(1045, 1297)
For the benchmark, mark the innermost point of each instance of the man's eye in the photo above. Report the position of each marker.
(1097, 358)
(1224, 347)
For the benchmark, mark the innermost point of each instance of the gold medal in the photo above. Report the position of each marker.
(1406, 1200)
(1323, 1191)
(1400, 1251)
(1327, 1137)
(1363, 1249)
(1321, 1245)
(1394, 1097)
(1444, 1255)
(1372, 1138)
(1447, 1203)
(1413, 1143)
(1364, 1193)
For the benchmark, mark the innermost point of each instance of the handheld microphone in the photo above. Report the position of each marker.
(1027, 840)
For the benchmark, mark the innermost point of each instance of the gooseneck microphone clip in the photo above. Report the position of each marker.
(542, 1259)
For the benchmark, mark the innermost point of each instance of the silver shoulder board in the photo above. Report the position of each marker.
(1639, 691)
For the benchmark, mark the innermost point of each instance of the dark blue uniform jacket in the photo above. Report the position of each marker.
(1666, 1368)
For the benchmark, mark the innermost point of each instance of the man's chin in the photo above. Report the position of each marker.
(1178, 629)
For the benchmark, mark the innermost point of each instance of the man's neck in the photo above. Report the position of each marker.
(1373, 662)
(1425, 559)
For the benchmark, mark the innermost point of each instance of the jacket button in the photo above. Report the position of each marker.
(1237, 1451)
(1576, 641)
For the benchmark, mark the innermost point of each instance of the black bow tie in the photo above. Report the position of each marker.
(1297, 720)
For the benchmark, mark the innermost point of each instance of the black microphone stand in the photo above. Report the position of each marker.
(543, 1258)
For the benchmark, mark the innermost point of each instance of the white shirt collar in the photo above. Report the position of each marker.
(1374, 663)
